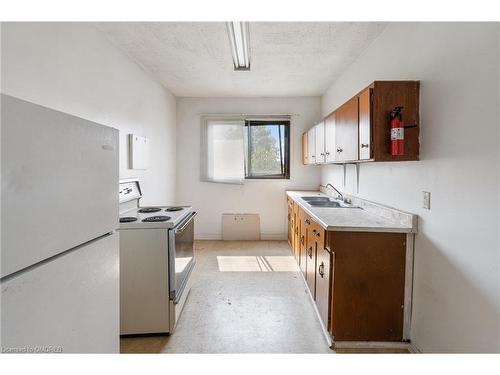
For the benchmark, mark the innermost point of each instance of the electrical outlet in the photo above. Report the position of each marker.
(427, 200)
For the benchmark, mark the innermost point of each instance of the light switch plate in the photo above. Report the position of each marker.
(427, 200)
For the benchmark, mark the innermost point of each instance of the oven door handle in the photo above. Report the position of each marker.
(186, 223)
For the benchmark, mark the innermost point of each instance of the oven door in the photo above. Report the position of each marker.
(180, 256)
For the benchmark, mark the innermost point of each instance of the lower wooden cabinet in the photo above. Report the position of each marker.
(290, 222)
(311, 265)
(296, 238)
(323, 281)
(357, 279)
(367, 286)
(303, 227)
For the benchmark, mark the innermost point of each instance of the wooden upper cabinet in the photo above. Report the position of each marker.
(346, 131)
(359, 130)
(319, 133)
(386, 96)
(330, 138)
(304, 149)
(311, 146)
(365, 143)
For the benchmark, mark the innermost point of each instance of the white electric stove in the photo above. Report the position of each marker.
(156, 260)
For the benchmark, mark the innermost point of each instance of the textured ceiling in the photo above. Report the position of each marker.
(287, 58)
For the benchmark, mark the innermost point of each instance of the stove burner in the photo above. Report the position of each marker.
(170, 209)
(153, 219)
(127, 219)
(148, 210)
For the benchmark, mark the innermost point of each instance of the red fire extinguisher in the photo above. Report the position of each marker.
(397, 131)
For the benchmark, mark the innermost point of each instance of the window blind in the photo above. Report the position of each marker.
(222, 151)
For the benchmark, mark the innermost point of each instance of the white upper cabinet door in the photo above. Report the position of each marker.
(311, 146)
(320, 142)
(330, 138)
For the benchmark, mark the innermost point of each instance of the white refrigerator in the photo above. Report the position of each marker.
(59, 245)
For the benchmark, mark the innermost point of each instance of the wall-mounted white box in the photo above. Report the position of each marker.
(138, 152)
(240, 227)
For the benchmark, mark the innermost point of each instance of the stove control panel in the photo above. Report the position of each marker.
(129, 190)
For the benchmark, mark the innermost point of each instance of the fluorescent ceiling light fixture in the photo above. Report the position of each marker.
(240, 44)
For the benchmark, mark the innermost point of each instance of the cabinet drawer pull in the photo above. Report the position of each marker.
(327, 153)
(321, 270)
(364, 145)
(339, 150)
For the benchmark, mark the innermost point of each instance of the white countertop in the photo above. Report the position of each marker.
(351, 219)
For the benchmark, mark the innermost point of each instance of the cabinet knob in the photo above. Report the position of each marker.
(339, 150)
(364, 145)
(327, 153)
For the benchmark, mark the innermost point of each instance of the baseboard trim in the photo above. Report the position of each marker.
(273, 236)
(375, 345)
(263, 236)
(413, 349)
(208, 236)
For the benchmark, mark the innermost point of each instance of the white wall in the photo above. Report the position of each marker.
(457, 273)
(72, 67)
(265, 197)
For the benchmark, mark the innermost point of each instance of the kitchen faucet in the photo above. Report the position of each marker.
(333, 187)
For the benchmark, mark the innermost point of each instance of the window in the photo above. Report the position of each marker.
(267, 149)
(233, 149)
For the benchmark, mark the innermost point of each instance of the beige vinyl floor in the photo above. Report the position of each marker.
(247, 297)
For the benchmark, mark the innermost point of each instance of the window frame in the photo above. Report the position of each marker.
(285, 175)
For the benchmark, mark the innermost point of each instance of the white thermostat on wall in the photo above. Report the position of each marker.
(138, 152)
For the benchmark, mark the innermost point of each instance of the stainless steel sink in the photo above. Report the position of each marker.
(319, 201)
(325, 204)
(316, 199)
